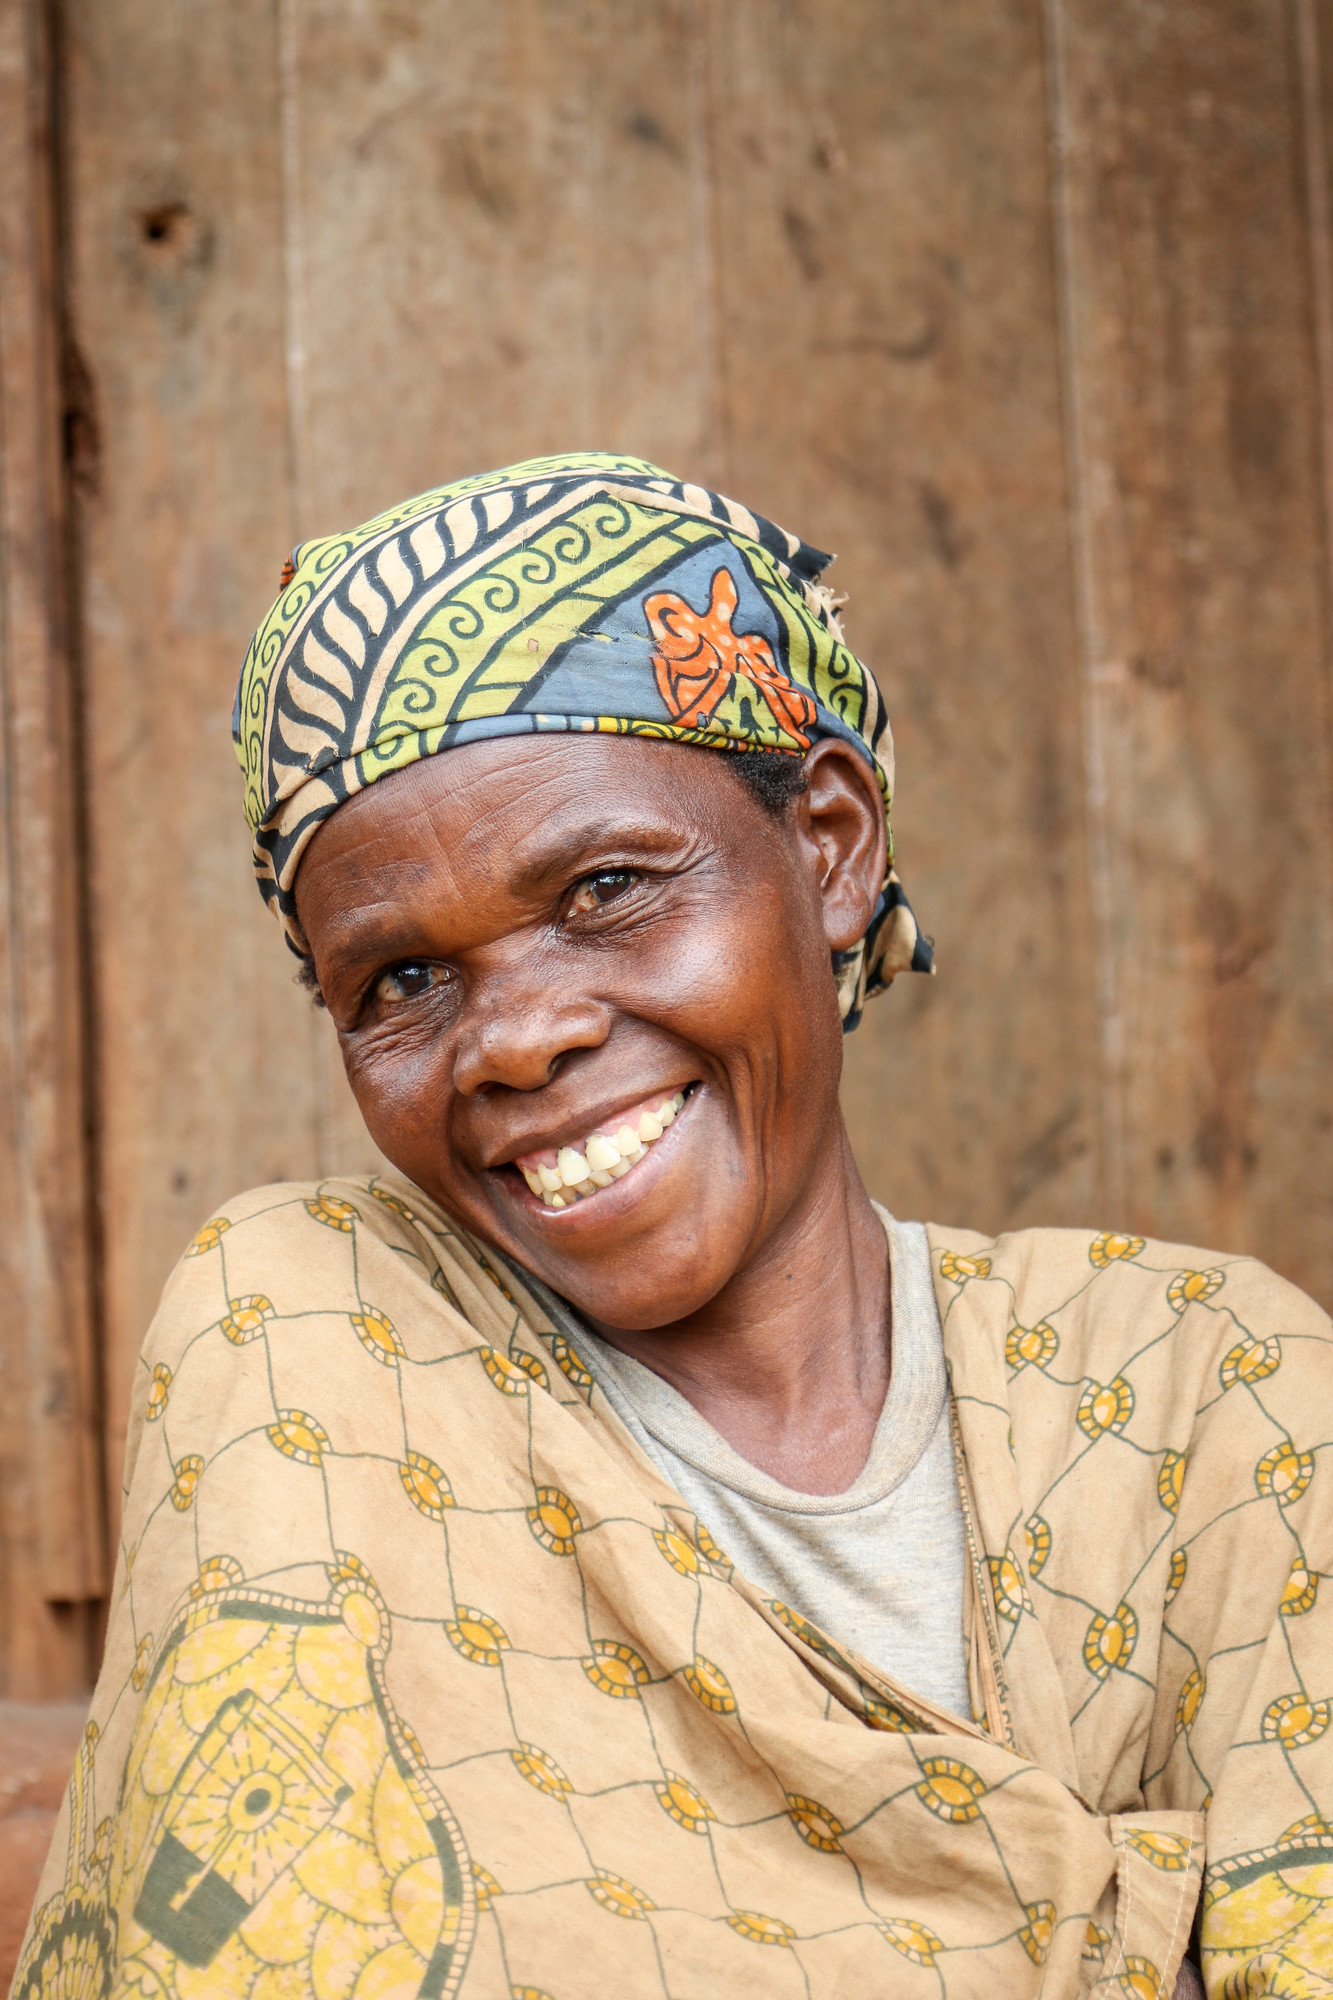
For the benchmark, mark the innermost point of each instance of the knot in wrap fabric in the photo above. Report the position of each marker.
(584, 592)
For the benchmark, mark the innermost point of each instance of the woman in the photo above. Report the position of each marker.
(615, 1557)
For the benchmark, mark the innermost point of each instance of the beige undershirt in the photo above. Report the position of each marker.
(880, 1568)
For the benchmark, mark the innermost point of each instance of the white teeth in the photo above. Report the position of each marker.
(603, 1153)
(604, 1159)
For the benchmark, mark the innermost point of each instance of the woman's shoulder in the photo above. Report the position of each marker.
(340, 1203)
(343, 1245)
(314, 1272)
(1105, 1294)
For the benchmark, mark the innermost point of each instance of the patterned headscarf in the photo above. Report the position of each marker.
(581, 592)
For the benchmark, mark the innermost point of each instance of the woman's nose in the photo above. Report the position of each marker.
(517, 1038)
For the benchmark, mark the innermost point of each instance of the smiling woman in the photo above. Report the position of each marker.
(552, 941)
(428, 1672)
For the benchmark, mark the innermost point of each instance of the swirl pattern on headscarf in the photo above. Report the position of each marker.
(582, 592)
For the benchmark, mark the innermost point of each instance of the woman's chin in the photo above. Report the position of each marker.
(639, 1268)
(636, 1307)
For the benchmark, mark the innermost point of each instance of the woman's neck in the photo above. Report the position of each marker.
(790, 1360)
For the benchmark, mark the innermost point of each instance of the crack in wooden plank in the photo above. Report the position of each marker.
(1094, 667)
(293, 258)
(1308, 55)
(703, 191)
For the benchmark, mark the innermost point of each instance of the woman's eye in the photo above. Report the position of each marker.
(595, 891)
(410, 980)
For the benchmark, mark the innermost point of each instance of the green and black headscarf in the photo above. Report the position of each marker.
(577, 593)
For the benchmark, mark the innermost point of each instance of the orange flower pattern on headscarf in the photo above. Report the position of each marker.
(700, 661)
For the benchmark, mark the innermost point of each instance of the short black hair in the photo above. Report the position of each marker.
(773, 777)
(307, 976)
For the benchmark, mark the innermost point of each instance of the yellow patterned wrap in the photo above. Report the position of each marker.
(421, 1681)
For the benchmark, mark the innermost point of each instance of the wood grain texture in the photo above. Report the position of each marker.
(500, 249)
(1190, 328)
(51, 1557)
(207, 1065)
(894, 392)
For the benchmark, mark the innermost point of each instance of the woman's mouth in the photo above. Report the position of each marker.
(560, 1176)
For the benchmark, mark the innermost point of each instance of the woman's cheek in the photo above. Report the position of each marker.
(395, 1075)
(728, 951)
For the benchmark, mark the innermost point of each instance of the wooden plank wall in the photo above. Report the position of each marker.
(1022, 306)
(51, 1528)
(1194, 310)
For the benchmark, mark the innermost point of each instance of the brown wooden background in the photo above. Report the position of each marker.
(1023, 306)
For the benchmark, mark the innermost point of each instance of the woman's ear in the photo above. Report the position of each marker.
(842, 819)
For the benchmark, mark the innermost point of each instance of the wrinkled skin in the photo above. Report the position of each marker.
(517, 938)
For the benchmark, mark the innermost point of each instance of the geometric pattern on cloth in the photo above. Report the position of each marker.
(1150, 1432)
(579, 593)
(421, 1679)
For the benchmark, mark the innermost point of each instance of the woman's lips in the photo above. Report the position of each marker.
(559, 1177)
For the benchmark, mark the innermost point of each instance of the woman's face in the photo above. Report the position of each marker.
(542, 953)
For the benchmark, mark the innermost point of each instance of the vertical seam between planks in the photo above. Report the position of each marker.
(47, 849)
(1091, 642)
(52, 23)
(10, 1000)
(294, 359)
(10, 887)
(704, 204)
(1315, 158)
(293, 256)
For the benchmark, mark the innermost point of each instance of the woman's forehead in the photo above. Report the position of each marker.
(520, 811)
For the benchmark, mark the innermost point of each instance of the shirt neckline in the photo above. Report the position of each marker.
(918, 1386)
